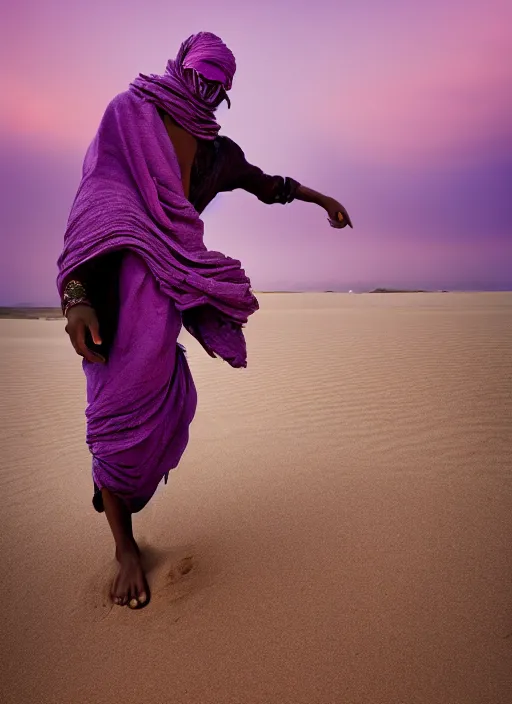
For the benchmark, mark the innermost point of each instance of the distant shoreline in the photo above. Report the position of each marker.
(50, 313)
(30, 313)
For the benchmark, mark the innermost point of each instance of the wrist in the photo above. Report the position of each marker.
(326, 202)
(310, 196)
(74, 295)
(73, 305)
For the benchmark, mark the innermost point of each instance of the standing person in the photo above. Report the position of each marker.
(134, 270)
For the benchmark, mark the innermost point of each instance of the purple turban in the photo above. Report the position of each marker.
(194, 84)
(209, 56)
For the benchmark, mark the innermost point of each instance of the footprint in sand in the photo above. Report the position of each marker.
(177, 575)
(183, 567)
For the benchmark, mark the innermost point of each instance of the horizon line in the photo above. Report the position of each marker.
(358, 291)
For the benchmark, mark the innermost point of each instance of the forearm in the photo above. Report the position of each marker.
(308, 195)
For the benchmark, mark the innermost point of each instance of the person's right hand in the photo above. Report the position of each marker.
(338, 216)
(82, 318)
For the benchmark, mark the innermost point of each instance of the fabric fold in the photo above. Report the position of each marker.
(131, 197)
(139, 405)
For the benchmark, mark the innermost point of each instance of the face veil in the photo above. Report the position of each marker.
(193, 85)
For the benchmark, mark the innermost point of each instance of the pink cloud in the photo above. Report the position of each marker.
(436, 95)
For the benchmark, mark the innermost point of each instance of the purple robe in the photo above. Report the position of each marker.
(131, 203)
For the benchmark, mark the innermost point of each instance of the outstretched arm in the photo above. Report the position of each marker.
(276, 189)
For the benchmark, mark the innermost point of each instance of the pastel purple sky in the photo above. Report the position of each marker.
(401, 110)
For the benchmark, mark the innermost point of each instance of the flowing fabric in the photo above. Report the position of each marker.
(131, 198)
(140, 404)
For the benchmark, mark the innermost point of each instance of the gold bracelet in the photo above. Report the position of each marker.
(74, 294)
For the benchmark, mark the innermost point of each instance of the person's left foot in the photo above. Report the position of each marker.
(130, 586)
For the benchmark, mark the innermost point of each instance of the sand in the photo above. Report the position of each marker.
(339, 530)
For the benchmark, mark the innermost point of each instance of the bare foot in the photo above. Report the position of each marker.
(130, 585)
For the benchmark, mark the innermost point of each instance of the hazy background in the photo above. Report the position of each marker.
(402, 111)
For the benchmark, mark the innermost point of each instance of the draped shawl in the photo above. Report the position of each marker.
(131, 197)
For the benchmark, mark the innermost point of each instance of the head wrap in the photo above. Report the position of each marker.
(194, 84)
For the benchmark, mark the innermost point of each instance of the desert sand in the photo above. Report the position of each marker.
(338, 532)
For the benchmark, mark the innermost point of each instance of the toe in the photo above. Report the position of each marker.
(143, 598)
(133, 603)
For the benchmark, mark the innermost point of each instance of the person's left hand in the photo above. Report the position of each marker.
(338, 216)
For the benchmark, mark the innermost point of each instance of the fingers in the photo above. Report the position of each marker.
(343, 216)
(95, 332)
(336, 223)
(341, 219)
(77, 337)
(83, 350)
(91, 356)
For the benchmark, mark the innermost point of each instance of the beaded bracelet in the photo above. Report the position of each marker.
(74, 295)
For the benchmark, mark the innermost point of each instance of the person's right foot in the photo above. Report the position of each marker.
(130, 585)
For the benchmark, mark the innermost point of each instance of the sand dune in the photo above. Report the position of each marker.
(339, 530)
